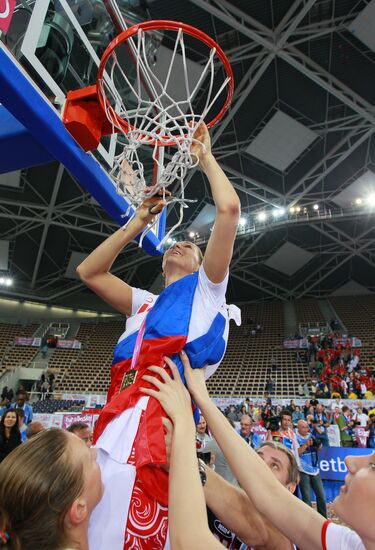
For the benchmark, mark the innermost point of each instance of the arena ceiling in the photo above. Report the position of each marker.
(299, 133)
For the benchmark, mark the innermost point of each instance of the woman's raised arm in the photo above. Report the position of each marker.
(220, 245)
(94, 270)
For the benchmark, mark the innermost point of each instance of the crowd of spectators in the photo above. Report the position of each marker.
(301, 429)
(17, 425)
(266, 416)
(336, 368)
(272, 429)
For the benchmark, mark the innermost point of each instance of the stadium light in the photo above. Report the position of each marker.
(278, 212)
(191, 234)
(6, 281)
(316, 207)
(242, 221)
(358, 201)
(371, 199)
(292, 210)
(298, 209)
(261, 217)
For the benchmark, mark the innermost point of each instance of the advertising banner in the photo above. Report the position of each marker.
(331, 461)
(64, 420)
(69, 344)
(353, 342)
(333, 433)
(68, 419)
(224, 402)
(24, 341)
(300, 343)
(361, 436)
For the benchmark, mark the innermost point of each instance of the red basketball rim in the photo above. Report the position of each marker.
(165, 25)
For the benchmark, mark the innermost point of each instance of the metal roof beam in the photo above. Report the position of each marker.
(293, 57)
(333, 159)
(19, 229)
(43, 238)
(72, 288)
(141, 259)
(328, 82)
(243, 89)
(257, 283)
(321, 271)
(247, 84)
(232, 10)
(255, 183)
(261, 278)
(328, 230)
(243, 250)
(291, 23)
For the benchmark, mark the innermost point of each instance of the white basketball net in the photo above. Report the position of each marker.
(159, 118)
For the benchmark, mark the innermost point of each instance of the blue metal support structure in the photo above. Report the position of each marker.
(34, 112)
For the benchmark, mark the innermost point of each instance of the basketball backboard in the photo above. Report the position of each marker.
(50, 48)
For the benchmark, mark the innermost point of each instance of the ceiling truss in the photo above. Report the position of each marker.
(265, 48)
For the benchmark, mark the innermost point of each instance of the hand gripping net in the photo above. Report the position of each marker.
(156, 119)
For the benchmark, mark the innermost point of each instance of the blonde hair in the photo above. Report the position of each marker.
(200, 253)
(38, 484)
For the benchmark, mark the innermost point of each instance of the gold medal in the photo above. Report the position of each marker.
(128, 379)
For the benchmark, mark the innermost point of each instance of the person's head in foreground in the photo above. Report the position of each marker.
(83, 431)
(281, 462)
(48, 489)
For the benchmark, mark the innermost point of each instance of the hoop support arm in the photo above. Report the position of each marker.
(85, 119)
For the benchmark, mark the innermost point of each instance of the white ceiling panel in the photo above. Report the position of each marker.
(289, 258)
(351, 288)
(75, 259)
(281, 141)
(204, 221)
(11, 179)
(363, 26)
(360, 188)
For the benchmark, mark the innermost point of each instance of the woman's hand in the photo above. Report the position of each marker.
(202, 152)
(151, 206)
(171, 393)
(195, 381)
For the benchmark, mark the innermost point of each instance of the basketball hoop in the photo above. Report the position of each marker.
(154, 118)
